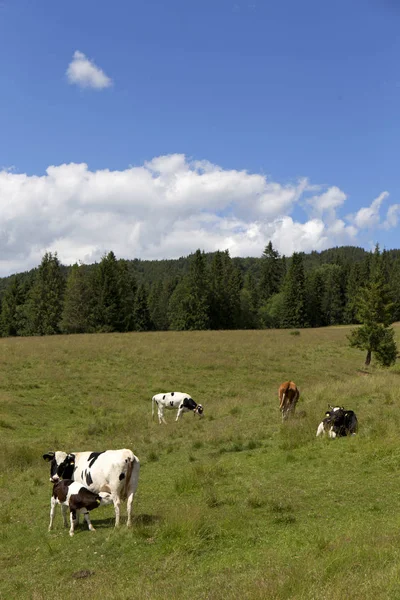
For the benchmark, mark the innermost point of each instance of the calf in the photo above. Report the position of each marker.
(288, 394)
(113, 471)
(79, 499)
(338, 422)
(178, 400)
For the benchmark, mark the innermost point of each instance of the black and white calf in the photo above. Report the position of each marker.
(115, 472)
(79, 499)
(338, 422)
(178, 400)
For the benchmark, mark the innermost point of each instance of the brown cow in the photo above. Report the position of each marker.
(288, 396)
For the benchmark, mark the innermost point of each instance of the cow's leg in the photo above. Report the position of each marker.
(320, 430)
(161, 415)
(53, 503)
(117, 506)
(87, 519)
(180, 412)
(72, 516)
(64, 514)
(129, 503)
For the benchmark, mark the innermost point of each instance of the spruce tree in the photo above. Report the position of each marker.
(12, 301)
(47, 296)
(333, 298)
(178, 307)
(271, 272)
(225, 285)
(159, 297)
(295, 311)
(250, 303)
(315, 291)
(127, 290)
(353, 286)
(375, 313)
(218, 299)
(107, 298)
(142, 321)
(75, 314)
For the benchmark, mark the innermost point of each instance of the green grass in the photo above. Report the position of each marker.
(234, 505)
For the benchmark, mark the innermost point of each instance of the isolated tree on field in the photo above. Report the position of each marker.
(295, 310)
(374, 312)
(47, 295)
(75, 314)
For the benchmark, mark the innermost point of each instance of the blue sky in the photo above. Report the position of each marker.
(266, 94)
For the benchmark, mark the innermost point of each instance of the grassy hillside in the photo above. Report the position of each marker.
(235, 505)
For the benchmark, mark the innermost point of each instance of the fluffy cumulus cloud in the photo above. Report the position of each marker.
(368, 217)
(84, 73)
(166, 208)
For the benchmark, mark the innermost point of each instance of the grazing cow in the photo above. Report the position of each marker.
(183, 402)
(79, 499)
(338, 422)
(113, 471)
(288, 394)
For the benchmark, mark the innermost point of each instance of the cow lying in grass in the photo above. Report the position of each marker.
(338, 422)
(174, 400)
(113, 471)
(288, 394)
(79, 499)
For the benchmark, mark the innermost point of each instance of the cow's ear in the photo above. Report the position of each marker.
(49, 456)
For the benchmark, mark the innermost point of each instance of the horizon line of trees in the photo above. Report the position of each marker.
(209, 292)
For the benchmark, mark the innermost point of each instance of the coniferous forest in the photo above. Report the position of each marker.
(201, 291)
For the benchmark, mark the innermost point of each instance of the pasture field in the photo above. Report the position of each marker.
(235, 505)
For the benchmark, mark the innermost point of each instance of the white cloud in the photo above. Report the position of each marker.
(392, 216)
(83, 72)
(327, 203)
(368, 217)
(165, 208)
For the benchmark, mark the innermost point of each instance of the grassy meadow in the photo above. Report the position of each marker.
(234, 505)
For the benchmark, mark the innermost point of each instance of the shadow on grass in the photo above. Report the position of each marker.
(138, 520)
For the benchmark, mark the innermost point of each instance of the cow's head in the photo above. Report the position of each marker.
(55, 459)
(61, 465)
(199, 410)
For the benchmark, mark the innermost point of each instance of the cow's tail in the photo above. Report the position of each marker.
(152, 407)
(132, 464)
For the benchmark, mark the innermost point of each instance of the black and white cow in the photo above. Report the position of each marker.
(79, 499)
(178, 400)
(115, 472)
(338, 422)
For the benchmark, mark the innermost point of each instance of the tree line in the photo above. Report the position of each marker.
(202, 291)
